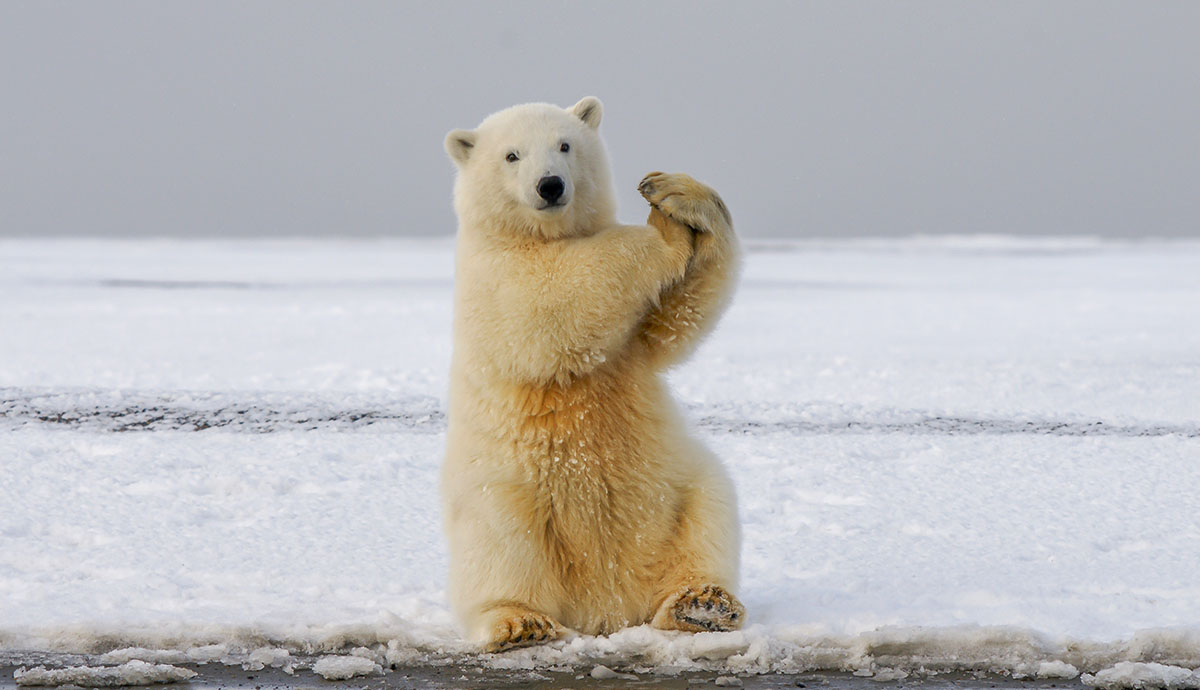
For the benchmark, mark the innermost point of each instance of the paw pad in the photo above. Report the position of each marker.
(686, 201)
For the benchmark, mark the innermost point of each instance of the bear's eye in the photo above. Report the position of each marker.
(512, 158)
(565, 147)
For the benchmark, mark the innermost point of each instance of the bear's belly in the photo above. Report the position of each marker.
(590, 480)
(603, 543)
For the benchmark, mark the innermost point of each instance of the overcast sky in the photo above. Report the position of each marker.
(812, 119)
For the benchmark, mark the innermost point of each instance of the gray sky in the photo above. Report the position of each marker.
(813, 119)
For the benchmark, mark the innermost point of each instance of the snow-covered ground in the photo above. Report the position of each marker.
(970, 454)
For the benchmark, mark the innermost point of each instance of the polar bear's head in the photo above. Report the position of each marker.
(534, 169)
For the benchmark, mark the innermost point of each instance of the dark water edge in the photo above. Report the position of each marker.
(215, 675)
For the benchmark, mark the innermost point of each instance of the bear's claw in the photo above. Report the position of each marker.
(709, 608)
(521, 629)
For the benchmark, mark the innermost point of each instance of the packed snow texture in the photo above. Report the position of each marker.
(601, 672)
(951, 455)
(130, 673)
(335, 667)
(1129, 674)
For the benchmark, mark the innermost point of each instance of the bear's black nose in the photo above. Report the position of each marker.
(550, 188)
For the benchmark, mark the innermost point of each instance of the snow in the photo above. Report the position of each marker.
(344, 667)
(154, 656)
(602, 672)
(951, 455)
(130, 673)
(275, 657)
(887, 675)
(1130, 674)
(1056, 669)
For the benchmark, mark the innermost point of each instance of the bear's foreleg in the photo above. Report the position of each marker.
(690, 307)
(588, 299)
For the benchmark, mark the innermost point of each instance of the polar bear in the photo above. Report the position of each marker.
(574, 496)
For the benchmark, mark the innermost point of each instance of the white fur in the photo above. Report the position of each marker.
(573, 494)
(489, 186)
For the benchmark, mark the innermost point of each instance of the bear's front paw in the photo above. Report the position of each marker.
(704, 608)
(517, 627)
(686, 201)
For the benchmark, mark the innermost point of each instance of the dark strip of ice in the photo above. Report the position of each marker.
(265, 412)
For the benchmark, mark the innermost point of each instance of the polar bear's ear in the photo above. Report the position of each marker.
(459, 144)
(589, 110)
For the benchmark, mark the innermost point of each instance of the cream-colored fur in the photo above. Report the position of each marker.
(574, 495)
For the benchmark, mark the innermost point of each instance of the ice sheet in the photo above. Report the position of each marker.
(951, 454)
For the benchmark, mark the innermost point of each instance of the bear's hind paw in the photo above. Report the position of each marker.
(706, 608)
(516, 627)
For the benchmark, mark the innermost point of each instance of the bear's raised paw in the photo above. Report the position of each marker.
(687, 201)
(518, 627)
(705, 608)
